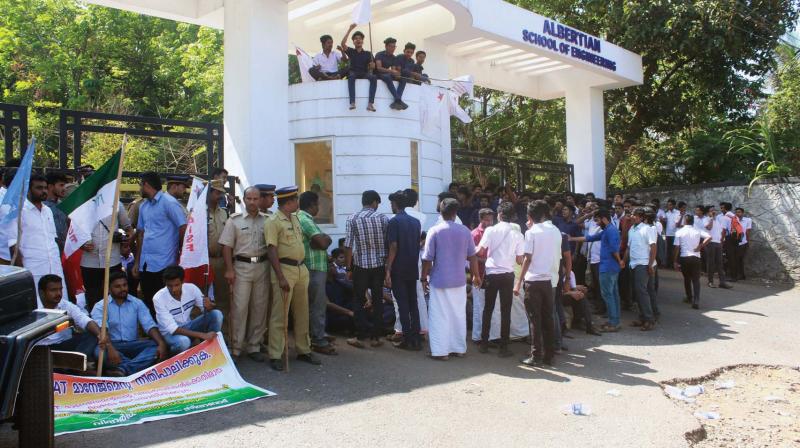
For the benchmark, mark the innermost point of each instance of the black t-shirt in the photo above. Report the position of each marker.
(406, 64)
(387, 60)
(359, 60)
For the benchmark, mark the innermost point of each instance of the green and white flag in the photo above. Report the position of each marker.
(89, 203)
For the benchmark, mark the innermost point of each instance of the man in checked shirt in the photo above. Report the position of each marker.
(365, 259)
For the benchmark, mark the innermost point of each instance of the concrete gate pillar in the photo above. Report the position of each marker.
(586, 139)
(257, 91)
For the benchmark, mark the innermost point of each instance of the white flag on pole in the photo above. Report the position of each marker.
(455, 108)
(305, 61)
(195, 239)
(431, 102)
(362, 13)
(464, 85)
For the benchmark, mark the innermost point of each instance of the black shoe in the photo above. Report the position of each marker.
(695, 306)
(309, 358)
(276, 364)
(257, 356)
(483, 347)
(504, 352)
(403, 106)
(405, 345)
(725, 286)
(395, 106)
(532, 361)
(592, 331)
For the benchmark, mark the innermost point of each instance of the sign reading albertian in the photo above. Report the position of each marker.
(570, 42)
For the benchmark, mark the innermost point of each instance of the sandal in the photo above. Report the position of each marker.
(352, 106)
(371, 108)
(637, 323)
(647, 326)
(355, 343)
(326, 350)
(609, 328)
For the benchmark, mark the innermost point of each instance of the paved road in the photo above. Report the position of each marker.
(388, 397)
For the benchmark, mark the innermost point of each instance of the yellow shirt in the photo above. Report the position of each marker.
(245, 235)
(285, 235)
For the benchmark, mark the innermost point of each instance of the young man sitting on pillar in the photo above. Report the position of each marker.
(326, 63)
(387, 65)
(361, 66)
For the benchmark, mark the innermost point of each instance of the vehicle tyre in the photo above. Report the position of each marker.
(35, 402)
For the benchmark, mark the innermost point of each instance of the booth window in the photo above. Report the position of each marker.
(314, 172)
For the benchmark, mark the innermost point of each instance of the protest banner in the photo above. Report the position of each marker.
(200, 379)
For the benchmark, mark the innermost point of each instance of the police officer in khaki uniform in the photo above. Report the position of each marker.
(177, 184)
(265, 202)
(290, 280)
(245, 253)
(217, 216)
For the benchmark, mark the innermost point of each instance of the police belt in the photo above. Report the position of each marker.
(251, 259)
(290, 262)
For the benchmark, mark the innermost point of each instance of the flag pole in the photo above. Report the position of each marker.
(106, 268)
(19, 224)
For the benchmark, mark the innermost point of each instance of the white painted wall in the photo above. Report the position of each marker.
(371, 150)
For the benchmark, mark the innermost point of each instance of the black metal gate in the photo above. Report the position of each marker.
(76, 123)
(534, 175)
(547, 176)
(13, 116)
(471, 160)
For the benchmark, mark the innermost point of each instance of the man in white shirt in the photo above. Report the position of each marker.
(174, 304)
(51, 294)
(671, 216)
(542, 253)
(592, 249)
(716, 227)
(38, 249)
(688, 243)
(502, 245)
(326, 63)
(744, 244)
(641, 257)
(700, 219)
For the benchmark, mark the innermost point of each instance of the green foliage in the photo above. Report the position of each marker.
(705, 66)
(64, 54)
(759, 142)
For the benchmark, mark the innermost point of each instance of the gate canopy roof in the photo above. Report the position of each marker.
(503, 46)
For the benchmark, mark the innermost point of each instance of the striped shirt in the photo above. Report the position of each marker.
(365, 233)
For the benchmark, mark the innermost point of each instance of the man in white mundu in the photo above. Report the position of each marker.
(447, 246)
(37, 243)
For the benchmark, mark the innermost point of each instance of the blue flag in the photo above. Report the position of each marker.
(19, 186)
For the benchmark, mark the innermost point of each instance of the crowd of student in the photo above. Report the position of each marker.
(556, 252)
(355, 62)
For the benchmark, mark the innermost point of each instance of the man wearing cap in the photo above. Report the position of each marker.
(267, 198)
(245, 254)
(217, 217)
(286, 252)
(265, 202)
(387, 68)
(176, 187)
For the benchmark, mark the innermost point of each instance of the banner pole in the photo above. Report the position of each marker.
(107, 267)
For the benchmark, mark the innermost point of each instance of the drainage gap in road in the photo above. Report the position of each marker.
(742, 405)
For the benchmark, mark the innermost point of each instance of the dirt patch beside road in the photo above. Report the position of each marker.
(742, 406)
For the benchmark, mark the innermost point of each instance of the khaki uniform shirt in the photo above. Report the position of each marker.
(245, 235)
(216, 223)
(133, 212)
(285, 235)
